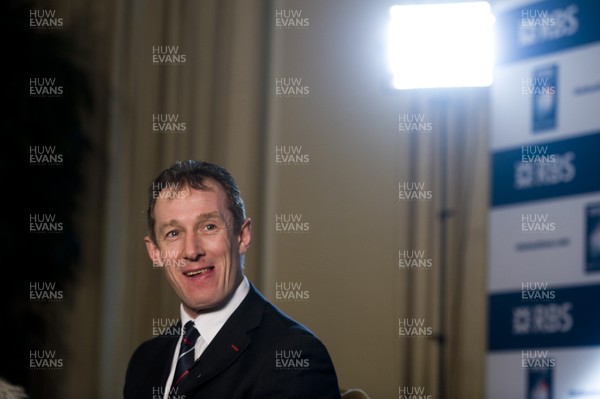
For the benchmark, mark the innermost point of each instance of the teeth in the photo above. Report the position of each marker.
(193, 273)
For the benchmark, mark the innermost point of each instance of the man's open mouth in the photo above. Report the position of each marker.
(196, 272)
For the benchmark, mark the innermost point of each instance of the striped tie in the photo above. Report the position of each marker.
(186, 352)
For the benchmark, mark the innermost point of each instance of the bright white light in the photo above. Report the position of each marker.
(441, 45)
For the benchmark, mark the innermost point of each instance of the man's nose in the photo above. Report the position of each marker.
(193, 247)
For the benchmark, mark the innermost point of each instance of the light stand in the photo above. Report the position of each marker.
(440, 106)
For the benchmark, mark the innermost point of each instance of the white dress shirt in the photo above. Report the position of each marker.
(208, 325)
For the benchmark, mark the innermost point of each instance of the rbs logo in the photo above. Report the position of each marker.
(538, 26)
(530, 175)
(542, 319)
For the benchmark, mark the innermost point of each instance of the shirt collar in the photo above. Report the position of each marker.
(209, 324)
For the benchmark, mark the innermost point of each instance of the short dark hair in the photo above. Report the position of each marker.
(193, 174)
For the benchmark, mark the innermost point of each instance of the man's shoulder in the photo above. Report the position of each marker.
(287, 355)
(275, 321)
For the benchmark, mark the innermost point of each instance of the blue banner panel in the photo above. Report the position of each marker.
(546, 27)
(592, 237)
(546, 170)
(545, 98)
(544, 318)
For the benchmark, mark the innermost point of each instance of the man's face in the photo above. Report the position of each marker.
(197, 246)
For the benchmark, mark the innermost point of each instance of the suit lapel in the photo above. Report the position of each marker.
(231, 341)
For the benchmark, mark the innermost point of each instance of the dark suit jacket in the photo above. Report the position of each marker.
(259, 353)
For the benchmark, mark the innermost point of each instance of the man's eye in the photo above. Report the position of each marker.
(172, 233)
(210, 227)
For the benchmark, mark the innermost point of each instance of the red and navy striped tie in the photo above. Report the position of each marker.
(186, 352)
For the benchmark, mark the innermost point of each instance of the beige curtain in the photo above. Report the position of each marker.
(216, 90)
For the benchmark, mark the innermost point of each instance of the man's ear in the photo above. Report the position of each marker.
(153, 251)
(245, 236)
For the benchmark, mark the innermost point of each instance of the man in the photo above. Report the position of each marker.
(234, 343)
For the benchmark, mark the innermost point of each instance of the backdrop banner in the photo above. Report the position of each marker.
(544, 241)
